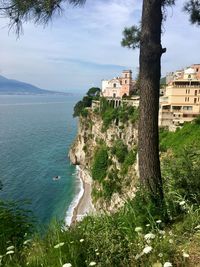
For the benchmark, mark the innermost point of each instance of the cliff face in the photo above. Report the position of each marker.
(89, 138)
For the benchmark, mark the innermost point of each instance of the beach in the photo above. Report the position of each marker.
(84, 205)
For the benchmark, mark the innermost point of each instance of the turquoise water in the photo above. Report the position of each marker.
(35, 135)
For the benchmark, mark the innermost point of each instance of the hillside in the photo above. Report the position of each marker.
(14, 87)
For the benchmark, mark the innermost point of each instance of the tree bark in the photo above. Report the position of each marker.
(150, 71)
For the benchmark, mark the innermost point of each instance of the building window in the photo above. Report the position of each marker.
(186, 91)
(195, 92)
(125, 81)
(189, 76)
(114, 85)
(195, 100)
(125, 75)
(185, 99)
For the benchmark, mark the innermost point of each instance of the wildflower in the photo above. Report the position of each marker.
(158, 221)
(148, 225)
(167, 264)
(149, 236)
(147, 249)
(81, 240)
(182, 203)
(27, 241)
(92, 263)
(96, 249)
(59, 245)
(162, 232)
(10, 252)
(185, 255)
(67, 265)
(197, 227)
(160, 255)
(10, 248)
(171, 241)
(138, 256)
(170, 233)
(138, 229)
(97, 253)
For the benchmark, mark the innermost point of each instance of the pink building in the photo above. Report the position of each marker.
(118, 87)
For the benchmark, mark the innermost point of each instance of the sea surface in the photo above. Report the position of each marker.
(36, 133)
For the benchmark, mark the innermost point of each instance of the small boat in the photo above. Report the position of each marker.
(55, 178)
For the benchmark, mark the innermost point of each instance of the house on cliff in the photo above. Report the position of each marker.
(119, 86)
(181, 102)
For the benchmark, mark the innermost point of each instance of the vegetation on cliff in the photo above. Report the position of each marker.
(80, 109)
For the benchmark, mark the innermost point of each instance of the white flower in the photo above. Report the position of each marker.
(182, 203)
(167, 264)
(92, 263)
(10, 248)
(185, 255)
(96, 249)
(97, 253)
(81, 240)
(160, 255)
(59, 245)
(148, 225)
(162, 232)
(158, 221)
(149, 236)
(138, 229)
(10, 252)
(27, 241)
(147, 249)
(197, 227)
(171, 241)
(138, 256)
(67, 265)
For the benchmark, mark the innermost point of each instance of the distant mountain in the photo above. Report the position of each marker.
(13, 87)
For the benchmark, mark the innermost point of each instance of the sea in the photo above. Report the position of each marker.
(36, 133)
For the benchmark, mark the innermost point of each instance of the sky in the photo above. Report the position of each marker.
(82, 46)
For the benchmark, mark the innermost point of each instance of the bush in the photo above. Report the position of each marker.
(15, 222)
(129, 160)
(182, 172)
(100, 163)
(120, 150)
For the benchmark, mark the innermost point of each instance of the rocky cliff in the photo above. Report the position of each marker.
(119, 141)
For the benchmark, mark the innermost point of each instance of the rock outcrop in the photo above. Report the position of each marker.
(90, 134)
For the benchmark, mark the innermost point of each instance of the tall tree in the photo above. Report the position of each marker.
(149, 39)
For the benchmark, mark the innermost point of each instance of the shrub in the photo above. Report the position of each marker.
(120, 150)
(100, 163)
(129, 160)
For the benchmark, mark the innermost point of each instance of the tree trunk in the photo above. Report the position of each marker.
(150, 70)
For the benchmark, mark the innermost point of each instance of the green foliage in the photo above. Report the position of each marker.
(120, 150)
(100, 163)
(94, 92)
(131, 37)
(111, 185)
(182, 172)
(192, 7)
(16, 224)
(184, 137)
(80, 109)
(121, 114)
(129, 161)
